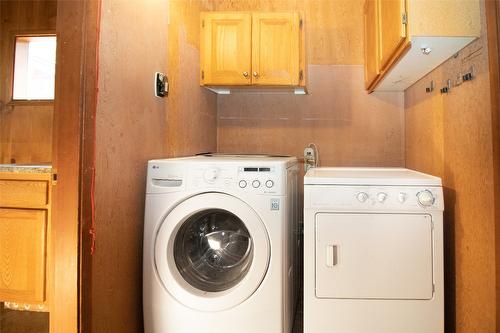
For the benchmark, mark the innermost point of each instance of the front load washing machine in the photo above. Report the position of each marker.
(373, 251)
(220, 244)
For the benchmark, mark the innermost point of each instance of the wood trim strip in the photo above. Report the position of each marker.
(75, 88)
(493, 33)
(87, 171)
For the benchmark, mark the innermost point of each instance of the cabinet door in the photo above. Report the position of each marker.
(372, 70)
(226, 48)
(392, 29)
(22, 255)
(275, 48)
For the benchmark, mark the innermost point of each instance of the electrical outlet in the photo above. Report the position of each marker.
(309, 158)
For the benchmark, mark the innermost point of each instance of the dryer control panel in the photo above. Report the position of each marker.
(374, 197)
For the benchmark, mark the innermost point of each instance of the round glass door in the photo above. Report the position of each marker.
(213, 250)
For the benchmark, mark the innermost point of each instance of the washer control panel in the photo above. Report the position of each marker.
(259, 179)
(376, 197)
(255, 179)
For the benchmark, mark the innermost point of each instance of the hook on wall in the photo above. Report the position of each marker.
(470, 75)
(446, 89)
(430, 88)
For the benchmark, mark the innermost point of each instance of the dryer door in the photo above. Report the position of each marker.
(212, 252)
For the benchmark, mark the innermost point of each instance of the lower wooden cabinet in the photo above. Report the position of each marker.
(25, 259)
(23, 250)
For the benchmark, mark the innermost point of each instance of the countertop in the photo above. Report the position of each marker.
(26, 168)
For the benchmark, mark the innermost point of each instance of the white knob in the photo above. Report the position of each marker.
(381, 196)
(242, 183)
(362, 196)
(269, 183)
(210, 175)
(402, 197)
(255, 183)
(425, 198)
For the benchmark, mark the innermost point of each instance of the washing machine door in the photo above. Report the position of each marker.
(212, 252)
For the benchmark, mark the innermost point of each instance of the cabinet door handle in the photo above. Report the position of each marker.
(331, 255)
(245, 74)
(255, 74)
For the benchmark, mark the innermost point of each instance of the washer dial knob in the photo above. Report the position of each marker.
(256, 183)
(362, 196)
(211, 175)
(269, 183)
(402, 197)
(242, 183)
(425, 198)
(381, 196)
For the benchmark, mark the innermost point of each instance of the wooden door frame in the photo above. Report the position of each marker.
(73, 137)
(493, 33)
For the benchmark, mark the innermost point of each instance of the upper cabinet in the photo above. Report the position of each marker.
(392, 29)
(226, 55)
(406, 39)
(275, 49)
(372, 70)
(251, 49)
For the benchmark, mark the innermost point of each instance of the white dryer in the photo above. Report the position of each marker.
(220, 244)
(373, 251)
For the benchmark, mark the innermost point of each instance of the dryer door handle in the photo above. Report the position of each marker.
(331, 255)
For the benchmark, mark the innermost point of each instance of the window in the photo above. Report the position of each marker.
(34, 68)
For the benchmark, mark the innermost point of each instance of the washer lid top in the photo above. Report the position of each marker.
(369, 176)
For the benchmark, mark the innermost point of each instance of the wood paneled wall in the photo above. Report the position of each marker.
(334, 29)
(25, 128)
(130, 130)
(191, 117)
(493, 32)
(450, 135)
(137, 39)
(350, 127)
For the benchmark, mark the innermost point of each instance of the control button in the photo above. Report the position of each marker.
(381, 196)
(256, 183)
(242, 183)
(211, 175)
(362, 196)
(402, 197)
(269, 183)
(425, 198)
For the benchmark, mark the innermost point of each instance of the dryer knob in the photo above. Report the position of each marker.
(381, 197)
(362, 196)
(425, 198)
(211, 175)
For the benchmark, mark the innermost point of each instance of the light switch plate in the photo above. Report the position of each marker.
(161, 85)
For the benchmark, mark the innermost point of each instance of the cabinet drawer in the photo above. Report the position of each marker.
(23, 251)
(23, 193)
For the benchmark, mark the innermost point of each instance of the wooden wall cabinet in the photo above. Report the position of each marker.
(251, 49)
(398, 31)
(372, 70)
(24, 236)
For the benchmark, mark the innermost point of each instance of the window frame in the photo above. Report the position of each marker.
(12, 53)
